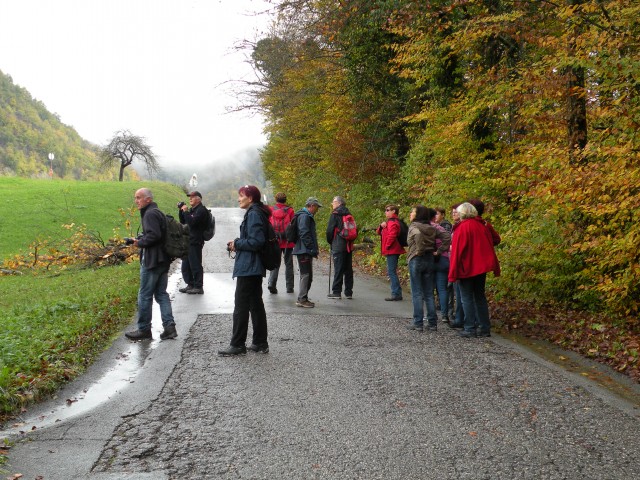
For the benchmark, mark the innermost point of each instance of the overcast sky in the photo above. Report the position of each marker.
(153, 67)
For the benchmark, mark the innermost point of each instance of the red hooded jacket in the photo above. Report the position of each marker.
(390, 244)
(472, 250)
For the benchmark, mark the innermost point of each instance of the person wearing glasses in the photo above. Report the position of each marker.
(390, 248)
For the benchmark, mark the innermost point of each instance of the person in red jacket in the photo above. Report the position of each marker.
(281, 216)
(472, 256)
(391, 248)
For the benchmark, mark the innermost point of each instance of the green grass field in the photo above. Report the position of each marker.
(33, 209)
(53, 324)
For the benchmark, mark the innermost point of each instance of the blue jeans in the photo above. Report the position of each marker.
(392, 271)
(474, 302)
(442, 279)
(459, 318)
(421, 273)
(153, 283)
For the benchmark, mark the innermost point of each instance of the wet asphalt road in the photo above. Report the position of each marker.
(346, 392)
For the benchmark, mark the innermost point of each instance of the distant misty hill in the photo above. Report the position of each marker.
(219, 181)
(29, 132)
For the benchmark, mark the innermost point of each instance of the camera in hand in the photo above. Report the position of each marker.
(181, 204)
(129, 240)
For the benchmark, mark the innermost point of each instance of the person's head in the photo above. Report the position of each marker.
(431, 213)
(281, 197)
(312, 205)
(479, 204)
(391, 210)
(420, 213)
(337, 202)
(195, 198)
(143, 197)
(455, 216)
(440, 215)
(467, 210)
(248, 195)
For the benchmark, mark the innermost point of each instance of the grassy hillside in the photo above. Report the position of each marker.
(29, 132)
(37, 209)
(55, 323)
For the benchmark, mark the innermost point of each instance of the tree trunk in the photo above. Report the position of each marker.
(577, 98)
(121, 178)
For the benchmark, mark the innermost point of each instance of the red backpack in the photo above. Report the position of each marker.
(349, 230)
(280, 219)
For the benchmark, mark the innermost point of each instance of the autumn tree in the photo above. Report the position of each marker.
(125, 148)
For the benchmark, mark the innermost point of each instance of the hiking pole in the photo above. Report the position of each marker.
(330, 262)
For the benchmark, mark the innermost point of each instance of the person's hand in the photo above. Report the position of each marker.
(184, 208)
(383, 225)
(231, 246)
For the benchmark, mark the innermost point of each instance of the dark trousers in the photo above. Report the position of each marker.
(343, 266)
(288, 264)
(192, 272)
(248, 300)
(305, 264)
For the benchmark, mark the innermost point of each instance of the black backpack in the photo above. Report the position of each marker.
(176, 238)
(210, 231)
(404, 233)
(291, 231)
(270, 254)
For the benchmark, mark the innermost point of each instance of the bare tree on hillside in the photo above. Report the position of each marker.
(124, 148)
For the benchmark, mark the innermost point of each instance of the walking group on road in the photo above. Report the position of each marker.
(450, 259)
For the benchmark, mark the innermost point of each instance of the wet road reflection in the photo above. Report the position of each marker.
(122, 374)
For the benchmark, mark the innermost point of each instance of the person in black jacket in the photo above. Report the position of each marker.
(197, 217)
(154, 269)
(340, 251)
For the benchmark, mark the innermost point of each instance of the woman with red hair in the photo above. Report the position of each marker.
(249, 271)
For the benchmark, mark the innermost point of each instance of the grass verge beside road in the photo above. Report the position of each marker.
(54, 326)
(55, 319)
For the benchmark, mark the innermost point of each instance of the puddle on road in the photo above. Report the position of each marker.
(111, 383)
(601, 375)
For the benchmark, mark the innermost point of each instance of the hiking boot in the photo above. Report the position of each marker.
(456, 326)
(334, 295)
(289, 290)
(184, 289)
(413, 326)
(138, 335)
(195, 291)
(232, 351)
(432, 328)
(393, 299)
(467, 334)
(169, 332)
(259, 348)
(348, 297)
(445, 320)
(483, 334)
(272, 289)
(305, 304)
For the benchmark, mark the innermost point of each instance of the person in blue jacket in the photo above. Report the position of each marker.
(306, 249)
(249, 271)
